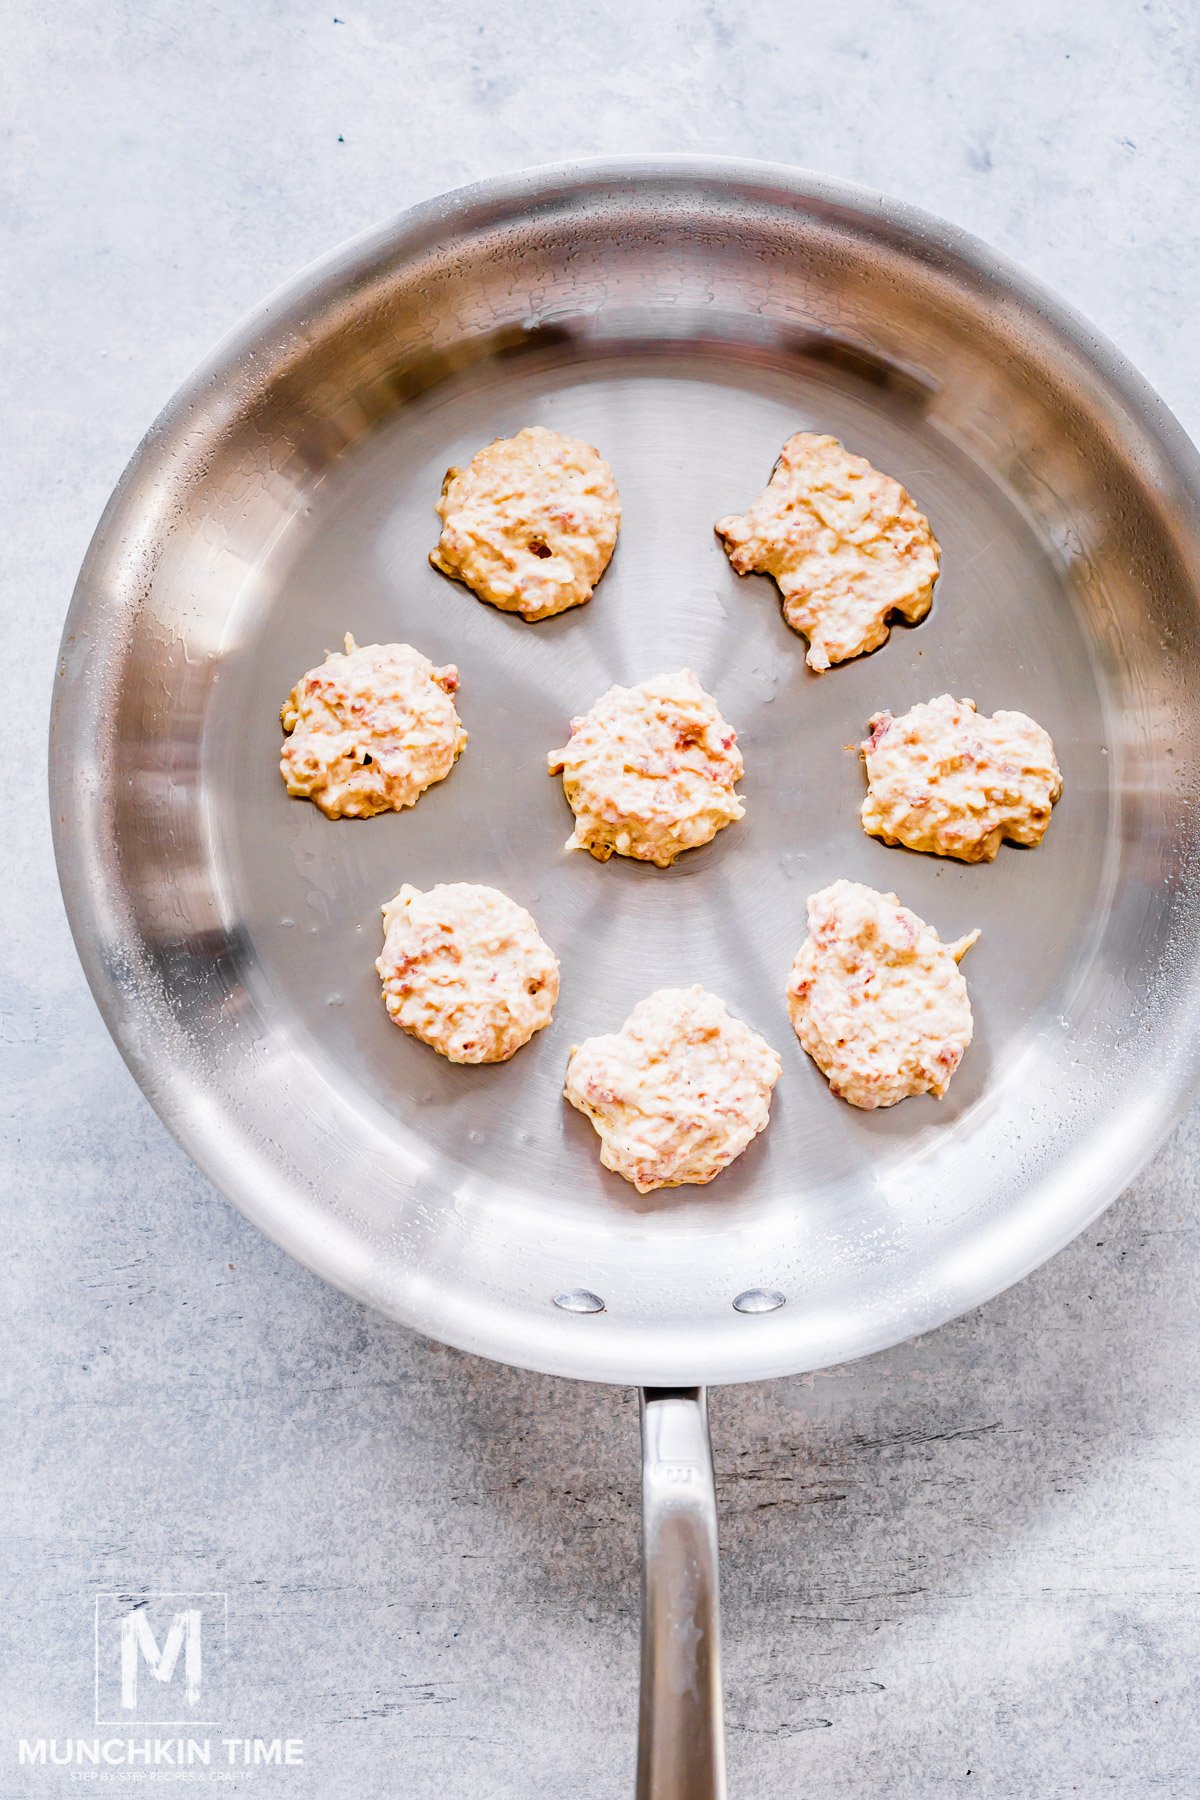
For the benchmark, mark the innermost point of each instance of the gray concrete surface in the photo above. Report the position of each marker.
(967, 1566)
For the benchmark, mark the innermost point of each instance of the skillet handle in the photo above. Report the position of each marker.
(681, 1731)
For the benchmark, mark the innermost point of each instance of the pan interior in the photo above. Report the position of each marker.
(241, 927)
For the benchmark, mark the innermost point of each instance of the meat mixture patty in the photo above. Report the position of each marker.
(650, 771)
(678, 1092)
(877, 999)
(465, 969)
(947, 779)
(530, 523)
(370, 730)
(845, 544)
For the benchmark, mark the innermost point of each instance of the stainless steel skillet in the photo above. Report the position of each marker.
(684, 315)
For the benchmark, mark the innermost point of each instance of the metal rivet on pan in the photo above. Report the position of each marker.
(756, 1300)
(579, 1301)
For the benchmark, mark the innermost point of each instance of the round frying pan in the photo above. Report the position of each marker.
(686, 316)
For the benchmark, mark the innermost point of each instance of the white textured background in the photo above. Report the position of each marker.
(968, 1566)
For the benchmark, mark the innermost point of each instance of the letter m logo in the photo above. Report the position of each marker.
(138, 1643)
(160, 1658)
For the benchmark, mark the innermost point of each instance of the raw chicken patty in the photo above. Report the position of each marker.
(845, 544)
(876, 998)
(945, 778)
(370, 730)
(465, 969)
(678, 1092)
(650, 771)
(530, 524)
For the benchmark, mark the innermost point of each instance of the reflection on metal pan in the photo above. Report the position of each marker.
(685, 317)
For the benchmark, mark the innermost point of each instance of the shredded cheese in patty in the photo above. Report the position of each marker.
(945, 778)
(845, 544)
(370, 730)
(876, 998)
(465, 969)
(530, 524)
(650, 771)
(678, 1092)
